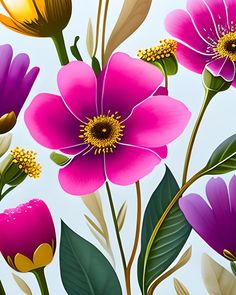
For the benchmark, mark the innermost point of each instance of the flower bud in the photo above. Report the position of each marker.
(28, 237)
(7, 122)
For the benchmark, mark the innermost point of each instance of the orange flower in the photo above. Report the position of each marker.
(38, 18)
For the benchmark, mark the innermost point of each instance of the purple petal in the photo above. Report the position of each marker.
(6, 53)
(232, 194)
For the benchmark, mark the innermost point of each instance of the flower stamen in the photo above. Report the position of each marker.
(26, 161)
(164, 50)
(226, 46)
(102, 132)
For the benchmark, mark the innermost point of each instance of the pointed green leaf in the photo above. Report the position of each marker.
(59, 159)
(163, 237)
(223, 159)
(84, 269)
(74, 49)
(96, 66)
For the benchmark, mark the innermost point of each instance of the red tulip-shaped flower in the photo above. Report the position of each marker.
(27, 236)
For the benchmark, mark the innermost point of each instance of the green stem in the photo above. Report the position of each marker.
(40, 276)
(2, 291)
(116, 229)
(98, 27)
(2, 195)
(208, 96)
(59, 43)
(104, 31)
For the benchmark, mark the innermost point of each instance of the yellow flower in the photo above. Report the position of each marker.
(38, 18)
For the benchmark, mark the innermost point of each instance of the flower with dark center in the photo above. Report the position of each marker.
(206, 35)
(116, 125)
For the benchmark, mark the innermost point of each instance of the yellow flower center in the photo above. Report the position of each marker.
(102, 133)
(226, 46)
(164, 50)
(26, 161)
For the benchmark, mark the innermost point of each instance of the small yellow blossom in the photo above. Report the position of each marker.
(26, 161)
(155, 53)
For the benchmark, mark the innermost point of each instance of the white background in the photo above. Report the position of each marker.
(218, 124)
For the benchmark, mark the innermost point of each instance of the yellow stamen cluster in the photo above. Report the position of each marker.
(164, 50)
(102, 133)
(226, 46)
(26, 161)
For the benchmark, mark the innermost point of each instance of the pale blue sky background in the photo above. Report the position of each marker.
(186, 86)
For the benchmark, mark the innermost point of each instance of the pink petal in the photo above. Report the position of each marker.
(218, 10)
(156, 122)
(222, 67)
(217, 194)
(74, 150)
(231, 10)
(128, 164)
(179, 24)
(78, 86)
(161, 151)
(50, 123)
(191, 59)
(83, 175)
(161, 91)
(128, 81)
(203, 19)
(234, 82)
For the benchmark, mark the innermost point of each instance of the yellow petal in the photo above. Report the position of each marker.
(15, 26)
(20, 10)
(43, 255)
(23, 263)
(10, 262)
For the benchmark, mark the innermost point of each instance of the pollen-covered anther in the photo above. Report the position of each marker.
(226, 46)
(102, 132)
(166, 48)
(26, 161)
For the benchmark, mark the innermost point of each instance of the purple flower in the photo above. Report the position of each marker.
(214, 223)
(207, 36)
(15, 85)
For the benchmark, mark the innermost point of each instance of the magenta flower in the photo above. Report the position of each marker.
(115, 125)
(207, 36)
(214, 223)
(28, 236)
(15, 85)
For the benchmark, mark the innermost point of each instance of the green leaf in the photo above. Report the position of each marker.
(170, 65)
(74, 49)
(223, 159)
(214, 83)
(163, 237)
(96, 65)
(84, 269)
(59, 159)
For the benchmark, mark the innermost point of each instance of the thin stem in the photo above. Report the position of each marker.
(117, 230)
(59, 43)
(2, 195)
(104, 31)
(98, 27)
(207, 99)
(40, 276)
(137, 234)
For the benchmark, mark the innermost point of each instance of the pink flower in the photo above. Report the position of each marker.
(115, 125)
(28, 236)
(207, 36)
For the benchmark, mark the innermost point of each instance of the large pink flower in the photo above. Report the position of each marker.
(114, 125)
(207, 36)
